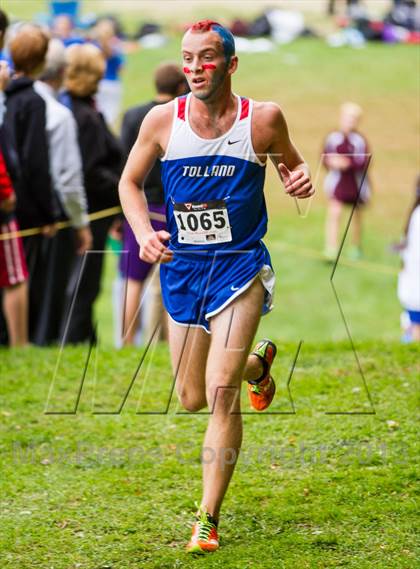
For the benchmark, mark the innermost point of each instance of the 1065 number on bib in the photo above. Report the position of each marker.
(200, 223)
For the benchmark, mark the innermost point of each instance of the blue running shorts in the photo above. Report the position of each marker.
(199, 285)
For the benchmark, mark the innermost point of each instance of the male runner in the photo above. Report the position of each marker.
(216, 273)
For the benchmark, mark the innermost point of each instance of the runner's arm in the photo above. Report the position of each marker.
(292, 168)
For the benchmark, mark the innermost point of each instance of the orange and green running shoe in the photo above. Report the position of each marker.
(204, 536)
(261, 391)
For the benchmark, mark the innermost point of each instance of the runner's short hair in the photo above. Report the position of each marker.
(85, 68)
(168, 78)
(28, 48)
(227, 39)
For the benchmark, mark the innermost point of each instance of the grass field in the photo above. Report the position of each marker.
(330, 479)
(311, 490)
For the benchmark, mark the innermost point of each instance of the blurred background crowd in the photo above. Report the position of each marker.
(64, 142)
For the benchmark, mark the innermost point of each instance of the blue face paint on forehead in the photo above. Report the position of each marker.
(228, 40)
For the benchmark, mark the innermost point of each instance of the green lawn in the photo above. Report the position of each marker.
(311, 489)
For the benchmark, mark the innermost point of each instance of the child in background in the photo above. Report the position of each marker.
(346, 157)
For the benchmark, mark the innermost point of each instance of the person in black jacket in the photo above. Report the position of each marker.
(102, 165)
(24, 126)
(27, 159)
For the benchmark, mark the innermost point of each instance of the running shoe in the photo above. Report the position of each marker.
(204, 536)
(261, 391)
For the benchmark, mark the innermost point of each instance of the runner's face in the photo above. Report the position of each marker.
(204, 62)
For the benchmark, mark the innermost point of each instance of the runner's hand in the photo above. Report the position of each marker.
(153, 248)
(296, 183)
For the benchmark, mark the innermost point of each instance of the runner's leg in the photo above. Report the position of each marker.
(233, 331)
(189, 348)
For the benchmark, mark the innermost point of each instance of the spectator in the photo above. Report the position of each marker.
(28, 166)
(102, 165)
(63, 29)
(169, 83)
(349, 3)
(67, 178)
(4, 24)
(24, 123)
(346, 157)
(13, 269)
(409, 277)
(109, 95)
(4, 71)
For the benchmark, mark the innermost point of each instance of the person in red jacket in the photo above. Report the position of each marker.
(13, 269)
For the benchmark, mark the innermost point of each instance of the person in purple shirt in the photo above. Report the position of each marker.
(346, 156)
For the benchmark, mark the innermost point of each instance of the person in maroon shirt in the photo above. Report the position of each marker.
(346, 156)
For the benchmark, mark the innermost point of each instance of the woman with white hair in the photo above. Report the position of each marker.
(102, 159)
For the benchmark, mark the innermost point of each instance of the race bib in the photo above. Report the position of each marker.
(200, 223)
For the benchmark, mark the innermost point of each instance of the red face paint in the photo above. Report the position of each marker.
(204, 66)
